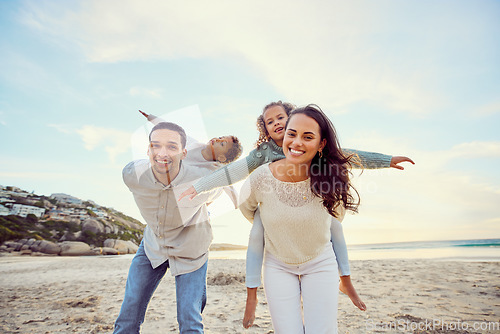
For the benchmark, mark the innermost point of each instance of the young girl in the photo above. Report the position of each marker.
(297, 197)
(271, 124)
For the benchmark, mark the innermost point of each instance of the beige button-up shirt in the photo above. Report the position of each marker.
(179, 232)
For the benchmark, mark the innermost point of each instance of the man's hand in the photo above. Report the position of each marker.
(191, 192)
(396, 160)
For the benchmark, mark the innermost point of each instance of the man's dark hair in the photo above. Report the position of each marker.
(173, 127)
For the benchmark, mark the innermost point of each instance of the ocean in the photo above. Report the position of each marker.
(457, 250)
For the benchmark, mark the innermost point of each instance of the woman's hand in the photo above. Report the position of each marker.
(191, 192)
(397, 160)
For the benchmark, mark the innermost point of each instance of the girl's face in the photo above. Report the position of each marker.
(302, 139)
(275, 118)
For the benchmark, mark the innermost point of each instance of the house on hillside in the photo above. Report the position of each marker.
(4, 211)
(24, 210)
(65, 198)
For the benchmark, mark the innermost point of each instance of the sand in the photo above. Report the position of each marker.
(84, 294)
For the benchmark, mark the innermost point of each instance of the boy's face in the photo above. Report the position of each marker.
(220, 147)
(165, 152)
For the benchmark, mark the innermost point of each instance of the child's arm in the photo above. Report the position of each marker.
(227, 175)
(340, 247)
(372, 160)
(255, 253)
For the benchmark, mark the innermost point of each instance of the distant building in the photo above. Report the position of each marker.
(4, 211)
(99, 213)
(65, 198)
(57, 215)
(6, 200)
(24, 210)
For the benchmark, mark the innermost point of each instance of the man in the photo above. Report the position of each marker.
(177, 235)
(212, 155)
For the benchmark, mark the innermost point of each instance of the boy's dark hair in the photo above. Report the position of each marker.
(234, 152)
(173, 127)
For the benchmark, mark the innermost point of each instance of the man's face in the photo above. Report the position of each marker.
(220, 147)
(165, 152)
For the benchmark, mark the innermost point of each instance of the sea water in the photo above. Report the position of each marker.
(461, 250)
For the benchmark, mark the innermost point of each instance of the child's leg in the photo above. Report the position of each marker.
(340, 249)
(255, 254)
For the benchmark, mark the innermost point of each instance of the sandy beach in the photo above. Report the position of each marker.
(83, 295)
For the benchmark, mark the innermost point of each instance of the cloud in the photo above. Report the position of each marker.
(113, 141)
(333, 53)
(489, 109)
(476, 149)
(63, 128)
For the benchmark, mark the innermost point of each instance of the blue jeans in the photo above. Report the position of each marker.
(142, 281)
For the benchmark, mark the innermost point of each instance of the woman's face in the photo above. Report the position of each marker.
(302, 139)
(275, 118)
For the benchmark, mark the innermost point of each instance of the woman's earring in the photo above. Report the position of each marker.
(320, 154)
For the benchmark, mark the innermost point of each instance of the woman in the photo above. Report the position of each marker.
(297, 197)
(271, 125)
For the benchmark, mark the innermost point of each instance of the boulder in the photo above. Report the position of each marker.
(75, 248)
(122, 246)
(48, 247)
(68, 236)
(25, 252)
(109, 251)
(14, 245)
(93, 225)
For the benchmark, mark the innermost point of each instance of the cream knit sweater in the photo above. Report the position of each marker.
(296, 224)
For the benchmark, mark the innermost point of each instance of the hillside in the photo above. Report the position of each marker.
(62, 217)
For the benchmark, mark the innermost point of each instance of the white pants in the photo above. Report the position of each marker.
(316, 281)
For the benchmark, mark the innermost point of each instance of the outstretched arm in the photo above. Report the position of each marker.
(373, 160)
(152, 118)
(395, 161)
(225, 176)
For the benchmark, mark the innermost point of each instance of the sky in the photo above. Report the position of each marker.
(413, 78)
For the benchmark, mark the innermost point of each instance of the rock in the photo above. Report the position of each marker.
(25, 247)
(93, 225)
(122, 246)
(109, 251)
(25, 252)
(75, 248)
(15, 245)
(68, 236)
(48, 247)
(31, 242)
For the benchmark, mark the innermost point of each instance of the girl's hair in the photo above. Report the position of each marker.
(330, 173)
(263, 134)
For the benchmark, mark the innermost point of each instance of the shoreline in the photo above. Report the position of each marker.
(59, 294)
